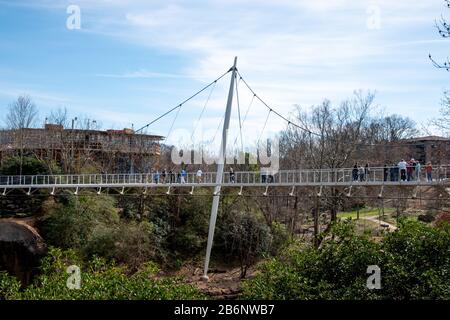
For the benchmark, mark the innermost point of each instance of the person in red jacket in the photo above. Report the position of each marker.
(429, 171)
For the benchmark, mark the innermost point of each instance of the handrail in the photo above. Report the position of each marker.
(282, 177)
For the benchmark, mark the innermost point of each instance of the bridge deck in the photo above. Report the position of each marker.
(284, 178)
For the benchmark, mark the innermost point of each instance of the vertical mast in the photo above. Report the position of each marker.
(220, 166)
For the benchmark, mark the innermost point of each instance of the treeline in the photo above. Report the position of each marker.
(169, 230)
(414, 263)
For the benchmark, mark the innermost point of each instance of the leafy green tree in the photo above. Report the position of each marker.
(30, 166)
(414, 263)
(417, 262)
(244, 237)
(92, 225)
(71, 221)
(99, 281)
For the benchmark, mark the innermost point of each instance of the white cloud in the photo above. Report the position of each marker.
(290, 51)
(141, 74)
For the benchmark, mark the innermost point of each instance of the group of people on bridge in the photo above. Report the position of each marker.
(402, 171)
(173, 176)
(170, 176)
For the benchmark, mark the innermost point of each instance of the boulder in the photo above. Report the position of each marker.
(21, 248)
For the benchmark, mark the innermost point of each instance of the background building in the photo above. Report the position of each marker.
(77, 150)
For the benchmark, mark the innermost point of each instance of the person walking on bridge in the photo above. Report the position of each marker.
(232, 178)
(393, 172)
(156, 176)
(385, 172)
(355, 172)
(410, 170)
(163, 175)
(199, 175)
(367, 172)
(402, 168)
(361, 174)
(183, 175)
(429, 171)
(171, 176)
(418, 169)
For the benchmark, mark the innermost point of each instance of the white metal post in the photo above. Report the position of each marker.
(220, 166)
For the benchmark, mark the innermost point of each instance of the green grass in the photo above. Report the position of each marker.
(364, 212)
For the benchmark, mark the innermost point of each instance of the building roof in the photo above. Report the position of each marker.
(124, 132)
(427, 138)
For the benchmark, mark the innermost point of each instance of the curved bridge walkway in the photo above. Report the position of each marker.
(346, 177)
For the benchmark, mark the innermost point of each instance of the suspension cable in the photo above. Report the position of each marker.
(246, 113)
(264, 127)
(217, 131)
(203, 110)
(248, 108)
(178, 106)
(272, 110)
(173, 123)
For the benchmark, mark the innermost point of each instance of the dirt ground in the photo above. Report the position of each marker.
(224, 282)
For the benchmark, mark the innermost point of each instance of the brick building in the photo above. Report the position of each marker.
(430, 148)
(109, 151)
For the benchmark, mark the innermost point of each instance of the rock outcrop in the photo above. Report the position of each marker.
(21, 248)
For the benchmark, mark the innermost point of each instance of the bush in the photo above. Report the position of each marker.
(417, 262)
(182, 222)
(280, 238)
(132, 243)
(414, 263)
(243, 237)
(91, 225)
(71, 221)
(99, 281)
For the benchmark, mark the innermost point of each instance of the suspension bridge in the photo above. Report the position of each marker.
(292, 179)
(240, 179)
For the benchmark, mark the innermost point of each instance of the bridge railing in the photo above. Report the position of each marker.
(284, 177)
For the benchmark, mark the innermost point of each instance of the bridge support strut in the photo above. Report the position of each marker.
(220, 167)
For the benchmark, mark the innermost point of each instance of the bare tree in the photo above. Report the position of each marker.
(390, 129)
(337, 131)
(330, 140)
(59, 117)
(22, 113)
(443, 28)
(443, 121)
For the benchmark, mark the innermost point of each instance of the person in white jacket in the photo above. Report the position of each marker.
(199, 175)
(402, 168)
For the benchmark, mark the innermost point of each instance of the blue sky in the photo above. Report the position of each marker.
(132, 60)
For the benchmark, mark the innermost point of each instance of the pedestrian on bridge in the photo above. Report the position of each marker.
(385, 172)
(232, 178)
(355, 172)
(396, 172)
(183, 175)
(410, 170)
(199, 175)
(361, 174)
(156, 177)
(402, 167)
(263, 175)
(171, 176)
(418, 169)
(367, 172)
(429, 171)
(163, 175)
